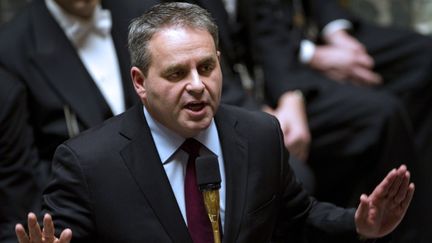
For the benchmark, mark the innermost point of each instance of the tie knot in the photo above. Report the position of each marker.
(191, 146)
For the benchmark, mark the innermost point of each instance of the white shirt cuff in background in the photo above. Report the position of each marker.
(335, 25)
(307, 50)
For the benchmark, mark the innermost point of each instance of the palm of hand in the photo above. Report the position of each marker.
(381, 212)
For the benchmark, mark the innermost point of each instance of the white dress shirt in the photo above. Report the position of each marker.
(231, 8)
(96, 50)
(174, 160)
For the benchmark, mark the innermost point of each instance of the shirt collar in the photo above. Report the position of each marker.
(77, 28)
(167, 142)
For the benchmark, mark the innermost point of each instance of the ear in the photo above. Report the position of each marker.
(218, 55)
(138, 80)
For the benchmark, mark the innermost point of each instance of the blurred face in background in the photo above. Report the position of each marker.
(80, 8)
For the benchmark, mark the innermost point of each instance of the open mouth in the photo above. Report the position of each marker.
(195, 106)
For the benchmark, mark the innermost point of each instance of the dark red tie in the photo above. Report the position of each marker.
(198, 222)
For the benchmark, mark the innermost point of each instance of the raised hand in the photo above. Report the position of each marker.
(382, 211)
(36, 235)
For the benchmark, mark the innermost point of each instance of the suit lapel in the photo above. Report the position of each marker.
(235, 151)
(143, 161)
(57, 59)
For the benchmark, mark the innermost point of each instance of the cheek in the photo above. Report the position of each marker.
(215, 88)
(169, 97)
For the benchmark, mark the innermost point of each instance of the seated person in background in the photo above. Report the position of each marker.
(351, 67)
(122, 181)
(346, 135)
(65, 75)
(73, 66)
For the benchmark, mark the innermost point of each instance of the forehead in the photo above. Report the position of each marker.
(178, 43)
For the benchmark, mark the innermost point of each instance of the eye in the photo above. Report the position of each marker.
(206, 68)
(175, 75)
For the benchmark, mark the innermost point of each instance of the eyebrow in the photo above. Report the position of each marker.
(173, 68)
(176, 67)
(210, 59)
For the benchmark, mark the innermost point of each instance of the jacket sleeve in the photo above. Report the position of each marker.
(67, 197)
(302, 217)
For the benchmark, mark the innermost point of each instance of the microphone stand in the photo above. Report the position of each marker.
(209, 183)
(211, 201)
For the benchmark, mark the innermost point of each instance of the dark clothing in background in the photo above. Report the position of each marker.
(35, 49)
(352, 133)
(46, 78)
(18, 186)
(338, 113)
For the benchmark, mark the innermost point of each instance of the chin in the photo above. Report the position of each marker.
(194, 129)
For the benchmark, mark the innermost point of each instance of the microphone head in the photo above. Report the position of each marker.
(207, 172)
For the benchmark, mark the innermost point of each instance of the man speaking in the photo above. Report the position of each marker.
(132, 179)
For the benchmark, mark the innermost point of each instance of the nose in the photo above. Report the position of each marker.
(195, 85)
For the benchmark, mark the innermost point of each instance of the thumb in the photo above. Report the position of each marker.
(361, 214)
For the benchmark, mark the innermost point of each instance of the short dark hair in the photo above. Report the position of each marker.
(160, 16)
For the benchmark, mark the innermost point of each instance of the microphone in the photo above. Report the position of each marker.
(209, 183)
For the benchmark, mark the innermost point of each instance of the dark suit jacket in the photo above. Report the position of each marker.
(18, 187)
(109, 185)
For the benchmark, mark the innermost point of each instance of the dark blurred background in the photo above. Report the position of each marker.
(412, 14)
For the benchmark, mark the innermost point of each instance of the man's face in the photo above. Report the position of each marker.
(183, 86)
(80, 8)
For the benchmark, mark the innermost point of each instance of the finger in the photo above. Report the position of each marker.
(354, 46)
(406, 202)
(365, 76)
(65, 236)
(34, 228)
(400, 174)
(362, 210)
(403, 189)
(21, 234)
(337, 75)
(48, 230)
(382, 190)
(365, 60)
